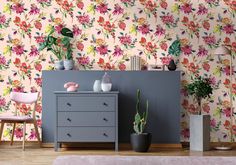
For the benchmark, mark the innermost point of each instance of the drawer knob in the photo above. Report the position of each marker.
(69, 104)
(104, 134)
(105, 119)
(69, 119)
(105, 104)
(68, 134)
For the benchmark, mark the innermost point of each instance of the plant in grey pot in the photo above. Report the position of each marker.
(140, 141)
(59, 46)
(200, 88)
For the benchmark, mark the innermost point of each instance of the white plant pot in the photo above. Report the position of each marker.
(59, 65)
(68, 64)
(199, 132)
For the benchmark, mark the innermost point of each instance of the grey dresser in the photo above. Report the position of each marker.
(86, 116)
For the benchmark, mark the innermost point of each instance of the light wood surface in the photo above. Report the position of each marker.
(33, 155)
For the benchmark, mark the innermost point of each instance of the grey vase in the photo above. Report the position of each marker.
(172, 66)
(59, 65)
(68, 64)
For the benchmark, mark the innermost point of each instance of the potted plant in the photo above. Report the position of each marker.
(60, 46)
(140, 141)
(200, 88)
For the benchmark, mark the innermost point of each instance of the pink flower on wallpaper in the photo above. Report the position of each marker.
(80, 5)
(206, 108)
(160, 30)
(43, 1)
(32, 135)
(58, 28)
(213, 123)
(102, 49)
(126, 1)
(144, 29)
(39, 39)
(34, 10)
(118, 9)
(76, 30)
(186, 8)
(102, 8)
(39, 122)
(80, 46)
(2, 102)
(18, 133)
(166, 60)
(18, 49)
(38, 25)
(227, 112)
(38, 81)
(38, 108)
(206, 66)
(2, 19)
(202, 10)
(38, 66)
(125, 40)
(167, 19)
(122, 66)
(34, 51)
(83, 60)
(18, 8)
(228, 29)
(163, 46)
(226, 70)
(202, 51)
(2, 60)
(118, 51)
(209, 40)
(122, 25)
(187, 49)
(83, 19)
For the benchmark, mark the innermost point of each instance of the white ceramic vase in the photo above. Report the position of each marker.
(97, 86)
(106, 87)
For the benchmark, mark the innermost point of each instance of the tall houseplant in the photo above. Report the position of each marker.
(200, 88)
(59, 45)
(140, 141)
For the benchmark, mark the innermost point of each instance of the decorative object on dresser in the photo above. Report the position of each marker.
(86, 116)
(140, 141)
(135, 62)
(156, 67)
(200, 88)
(172, 66)
(61, 47)
(97, 86)
(71, 86)
(106, 83)
(19, 99)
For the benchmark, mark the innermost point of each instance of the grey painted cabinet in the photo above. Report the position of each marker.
(86, 116)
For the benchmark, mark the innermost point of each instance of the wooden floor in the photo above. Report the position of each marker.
(33, 155)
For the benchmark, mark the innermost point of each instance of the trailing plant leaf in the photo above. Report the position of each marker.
(67, 32)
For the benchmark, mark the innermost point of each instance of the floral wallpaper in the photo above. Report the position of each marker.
(107, 33)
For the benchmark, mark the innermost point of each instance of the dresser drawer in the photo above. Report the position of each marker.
(86, 119)
(91, 103)
(86, 134)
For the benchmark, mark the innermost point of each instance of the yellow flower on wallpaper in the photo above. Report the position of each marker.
(7, 8)
(90, 50)
(100, 41)
(133, 29)
(57, 21)
(48, 28)
(226, 20)
(7, 50)
(217, 29)
(91, 8)
(49, 68)
(6, 91)
(217, 71)
(175, 8)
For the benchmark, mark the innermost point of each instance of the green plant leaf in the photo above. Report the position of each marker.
(175, 48)
(67, 32)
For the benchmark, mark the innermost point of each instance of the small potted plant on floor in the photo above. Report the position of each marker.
(140, 141)
(200, 88)
(60, 46)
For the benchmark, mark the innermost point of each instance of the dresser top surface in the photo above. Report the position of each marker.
(85, 92)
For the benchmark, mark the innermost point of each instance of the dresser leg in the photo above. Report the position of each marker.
(116, 147)
(56, 146)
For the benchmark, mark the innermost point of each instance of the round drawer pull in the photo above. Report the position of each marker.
(69, 104)
(105, 119)
(69, 119)
(68, 134)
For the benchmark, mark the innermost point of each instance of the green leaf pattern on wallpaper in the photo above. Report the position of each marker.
(107, 32)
